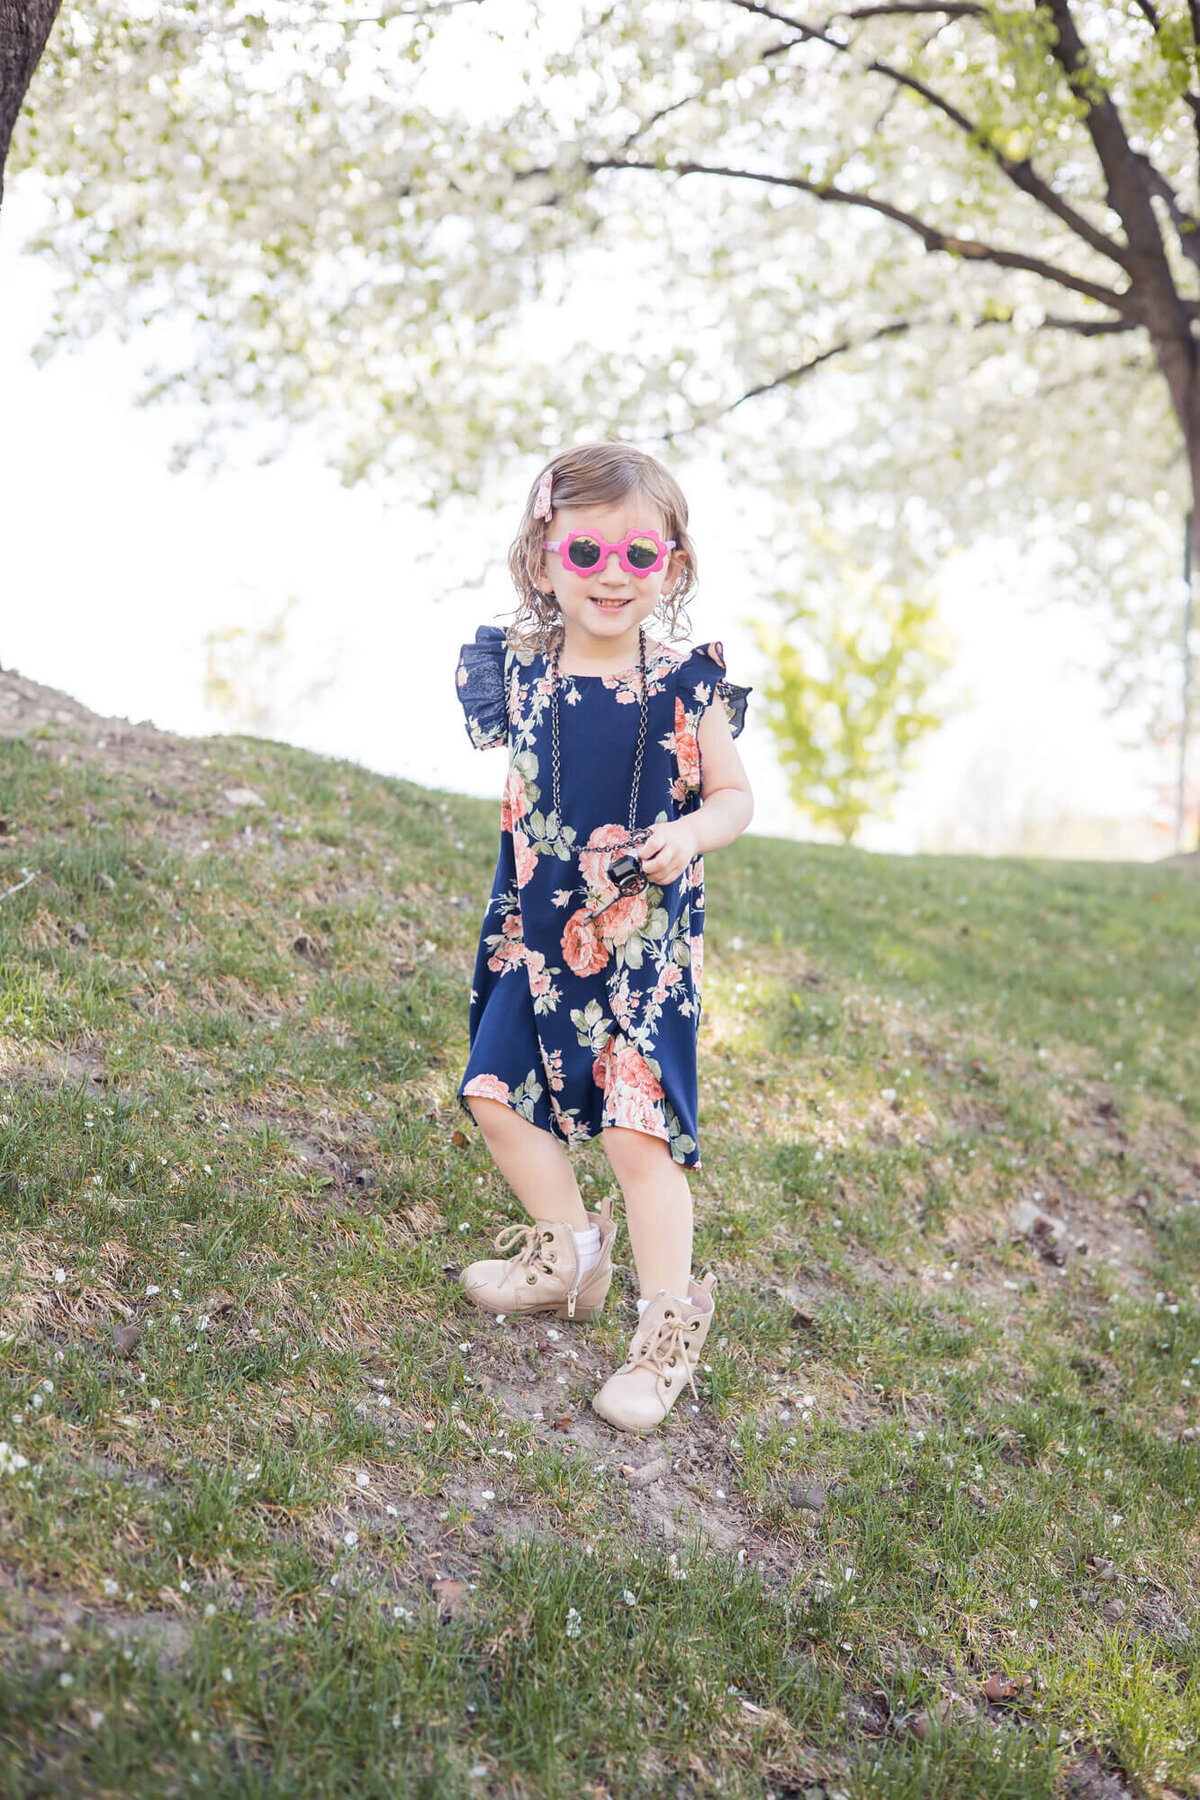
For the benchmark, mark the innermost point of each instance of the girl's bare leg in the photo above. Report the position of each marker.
(658, 1209)
(535, 1165)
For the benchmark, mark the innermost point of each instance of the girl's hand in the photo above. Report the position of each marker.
(668, 850)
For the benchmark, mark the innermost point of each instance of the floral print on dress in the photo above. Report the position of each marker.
(586, 1003)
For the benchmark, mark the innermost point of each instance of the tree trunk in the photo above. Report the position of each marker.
(24, 29)
(1191, 611)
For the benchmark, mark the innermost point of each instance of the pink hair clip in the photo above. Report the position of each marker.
(542, 507)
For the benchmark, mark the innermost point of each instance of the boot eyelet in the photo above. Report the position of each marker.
(530, 1279)
(666, 1381)
(547, 1237)
(668, 1315)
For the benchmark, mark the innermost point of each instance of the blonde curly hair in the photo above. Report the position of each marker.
(596, 475)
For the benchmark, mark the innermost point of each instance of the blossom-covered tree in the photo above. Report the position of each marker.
(921, 272)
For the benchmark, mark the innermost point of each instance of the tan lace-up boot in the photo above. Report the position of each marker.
(543, 1277)
(662, 1356)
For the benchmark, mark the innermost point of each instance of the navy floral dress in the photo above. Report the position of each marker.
(581, 1024)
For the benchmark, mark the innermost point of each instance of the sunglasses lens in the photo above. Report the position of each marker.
(643, 553)
(584, 552)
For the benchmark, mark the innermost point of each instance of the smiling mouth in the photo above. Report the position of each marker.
(608, 605)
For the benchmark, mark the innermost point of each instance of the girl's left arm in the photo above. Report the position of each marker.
(727, 810)
(724, 788)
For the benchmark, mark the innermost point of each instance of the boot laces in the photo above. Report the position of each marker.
(531, 1246)
(669, 1339)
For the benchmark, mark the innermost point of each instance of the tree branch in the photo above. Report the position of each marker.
(810, 33)
(815, 362)
(663, 112)
(1127, 191)
(969, 248)
(1150, 12)
(790, 377)
(950, 9)
(1089, 327)
(962, 10)
(1187, 226)
(20, 885)
(1021, 173)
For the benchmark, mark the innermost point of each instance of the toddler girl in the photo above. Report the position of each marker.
(586, 1000)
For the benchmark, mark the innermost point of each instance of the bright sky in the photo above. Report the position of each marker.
(115, 569)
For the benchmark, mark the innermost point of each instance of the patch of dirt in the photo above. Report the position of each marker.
(1088, 1779)
(27, 707)
(690, 1491)
(72, 1069)
(1156, 1617)
(108, 1468)
(42, 1618)
(63, 728)
(184, 795)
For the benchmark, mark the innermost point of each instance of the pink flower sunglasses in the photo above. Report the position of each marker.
(640, 552)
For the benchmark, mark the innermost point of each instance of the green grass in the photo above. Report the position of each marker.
(229, 1045)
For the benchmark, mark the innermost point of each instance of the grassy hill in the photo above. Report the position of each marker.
(280, 1514)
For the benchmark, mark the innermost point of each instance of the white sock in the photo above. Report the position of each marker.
(587, 1247)
(643, 1304)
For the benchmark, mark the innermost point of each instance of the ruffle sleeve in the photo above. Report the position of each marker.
(480, 678)
(704, 672)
